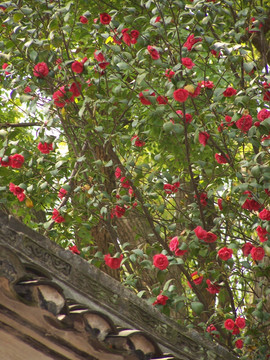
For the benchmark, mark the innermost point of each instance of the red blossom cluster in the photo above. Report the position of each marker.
(171, 189)
(202, 234)
(15, 161)
(174, 246)
(57, 217)
(45, 148)
(17, 191)
(66, 95)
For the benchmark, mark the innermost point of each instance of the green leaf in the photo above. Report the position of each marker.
(197, 307)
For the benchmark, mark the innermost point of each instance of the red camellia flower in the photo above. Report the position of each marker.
(161, 300)
(179, 252)
(188, 117)
(203, 137)
(144, 100)
(160, 261)
(75, 88)
(264, 215)
(17, 191)
(57, 217)
(83, 20)
(229, 324)
(61, 97)
(77, 67)
(41, 70)
(124, 182)
(220, 204)
(27, 90)
(174, 243)
(118, 211)
(246, 248)
(203, 199)
(262, 233)
(105, 18)
(62, 193)
(169, 73)
(263, 114)
(187, 62)
(225, 253)
(236, 330)
(230, 91)
(158, 18)
(118, 173)
(181, 95)
(212, 328)
(202, 234)
(137, 142)
(5, 163)
(113, 263)
(153, 52)
(196, 278)
(4, 66)
(191, 40)
(162, 100)
(244, 123)
(45, 148)
(16, 161)
(212, 287)
(74, 249)
(171, 189)
(251, 204)
(257, 253)
(221, 159)
(99, 56)
(207, 84)
(239, 343)
(240, 322)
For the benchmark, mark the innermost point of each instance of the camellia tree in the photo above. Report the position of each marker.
(136, 134)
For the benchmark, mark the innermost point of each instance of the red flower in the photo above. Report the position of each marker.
(263, 114)
(220, 204)
(21, 196)
(126, 37)
(160, 261)
(246, 248)
(179, 252)
(143, 100)
(134, 34)
(225, 253)
(45, 148)
(83, 20)
(262, 233)
(153, 52)
(257, 253)
(99, 56)
(188, 117)
(118, 173)
(221, 159)
(230, 91)
(158, 18)
(196, 278)
(137, 142)
(181, 95)
(105, 18)
(4, 66)
(264, 215)
(236, 330)
(118, 211)
(113, 263)
(162, 100)
(171, 189)
(196, 92)
(61, 98)
(161, 300)
(251, 204)
(124, 182)
(202, 234)
(62, 193)
(240, 322)
(212, 287)
(174, 243)
(244, 123)
(27, 90)
(77, 67)
(103, 65)
(17, 191)
(41, 70)
(229, 324)
(203, 137)
(169, 73)
(74, 249)
(187, 62)
(57, 217)
(75, 88)
(212, 328)
(203, 199)
(5, 163)
(239, 343)
(207, 84)
(191, 41)
(16, 161)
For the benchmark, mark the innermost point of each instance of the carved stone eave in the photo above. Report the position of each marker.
(87, 285)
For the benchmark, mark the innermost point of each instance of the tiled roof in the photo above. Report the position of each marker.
(56, 305)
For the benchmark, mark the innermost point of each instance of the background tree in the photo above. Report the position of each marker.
(137, 135)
